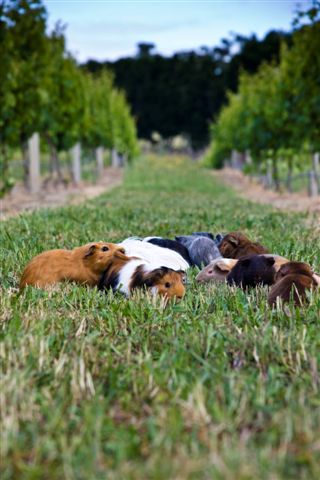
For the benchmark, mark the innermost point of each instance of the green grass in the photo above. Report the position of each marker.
(95, 386)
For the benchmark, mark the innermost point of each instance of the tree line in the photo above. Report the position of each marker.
(43, 89)
(183, 93)
(276, 112)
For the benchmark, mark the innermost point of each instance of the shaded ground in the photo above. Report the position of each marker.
(252, 190)
(20, 200)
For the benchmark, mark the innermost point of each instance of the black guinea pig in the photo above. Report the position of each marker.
(252, 270)
(171, 244)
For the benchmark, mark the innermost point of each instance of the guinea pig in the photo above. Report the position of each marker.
(83, 265)
(217, 270)
(292, 281)
(252, 270)
(171, 244)
(217, 239)
(237, 245)
(294, 268)
(202, 250)
(158, 256)
(162, 281)
(127, 274)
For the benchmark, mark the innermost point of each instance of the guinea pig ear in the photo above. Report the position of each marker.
(218, 238)
(233, 240)
(183, 275)
(181, 238)
(223, 267)
(90, 251)
(270, 261)
(246, 262)
(284, 269)
(155, 275)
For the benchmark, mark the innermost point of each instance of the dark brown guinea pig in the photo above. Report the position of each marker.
(237, 245)
(252, 270)
(293, 268)
(83, 265)
(292, 281)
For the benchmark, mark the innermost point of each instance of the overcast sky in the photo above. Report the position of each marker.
(109, 29)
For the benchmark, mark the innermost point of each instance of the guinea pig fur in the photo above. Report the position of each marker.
(154, 254)
(292, 282)
(203, 234)
(237, 245)
(216, 271)
(278, 260)
(294, 268)
(252, 270)
(127, 275)
(217, 239)
(202, 250)
(83, 265)
(171, 244)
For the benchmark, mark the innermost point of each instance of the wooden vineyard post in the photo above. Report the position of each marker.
(316, 165)
(115, 160)
(76, 163)
(247, 158)
(313, 186)
(269, 180)
(99, 159)
(237, 159)
(34, 163)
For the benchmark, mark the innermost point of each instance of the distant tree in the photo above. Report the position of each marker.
(97, 124)
(301, 81)
(7, 83)
(181, 94)
(44, 90)
(123, 126)
(61, 117)
(25, 22)
(276, 111)
(145, 49)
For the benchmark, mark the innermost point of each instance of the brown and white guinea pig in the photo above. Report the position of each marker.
(253, 270)
(237, 245)
(83, 265)
(216, 271)
(292, 281)
(129, 273)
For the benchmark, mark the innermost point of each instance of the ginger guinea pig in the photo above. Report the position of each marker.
(83, 265)
(237, 245)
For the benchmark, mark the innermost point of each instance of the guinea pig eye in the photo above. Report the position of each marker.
(105, 249)
(167, 285)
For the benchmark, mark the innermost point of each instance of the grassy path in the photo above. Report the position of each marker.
(96, 387)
